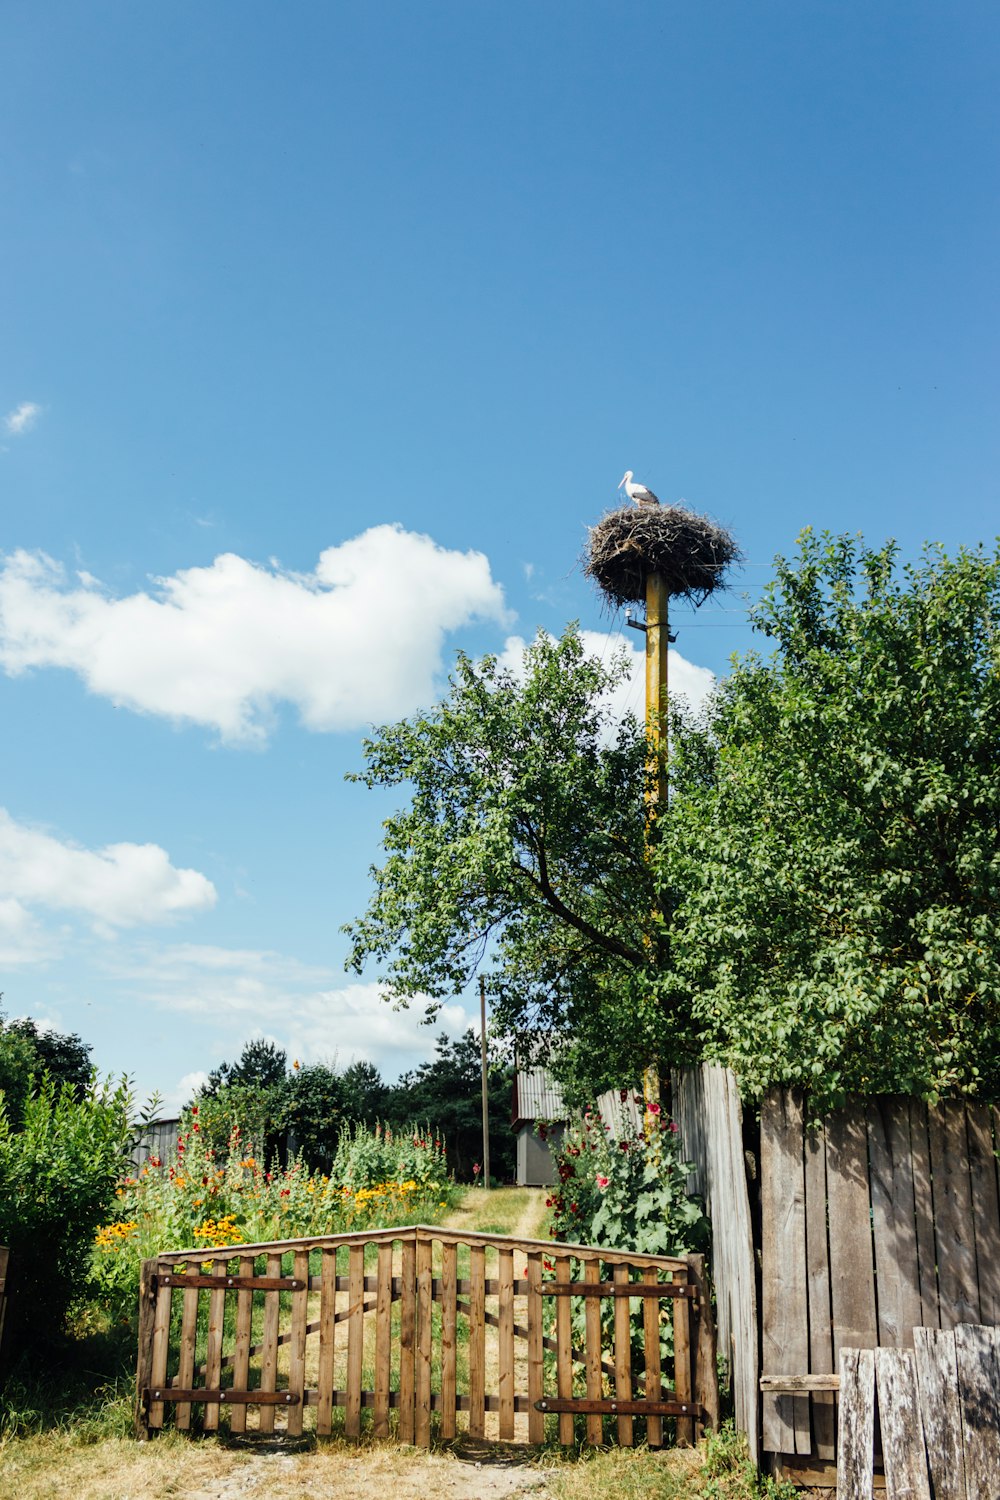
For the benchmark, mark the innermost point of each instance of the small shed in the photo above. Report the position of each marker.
(537, 1099)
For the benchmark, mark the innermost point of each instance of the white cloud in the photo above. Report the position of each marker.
(688, 681)
(120, 885)
(358, 640)
(22, 939)
(234, 995)
(22, 418)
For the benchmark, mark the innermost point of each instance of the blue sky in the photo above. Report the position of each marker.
(326, 331)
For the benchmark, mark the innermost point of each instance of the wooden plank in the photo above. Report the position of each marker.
(214, 1395)
(985, 1210)
(536, 1421)
(327, 1339)
(449, 1339)
(923, 1202)
(422, 1398)
(978, 1380)
(506, 1350)
(910, 1300)
(810, 1383)
(784, 1282)
(657, 1289)
(611, 1406)
(297, 1352)
(269, 1342)
(940, 1411)
(902, 1432)
(213, 1346)
(383, 1342)
(856, 1430)
(185, 1366)
(852, 1261)
(623, 1355)
(824, 1418)
(407, 1341)
(592, 1364)
(477, 1341)
(241, 1352)
(144, 1360)
(653, 1383)
(564, 1349)
(683, 1384)
(234, 1283)
(706, 1365)
(355, 1339)
(958, 1286)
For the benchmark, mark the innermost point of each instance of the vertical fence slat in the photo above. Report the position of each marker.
(954, 1234)
(818, 1277)
(536, 1419)
(852, 1269)
(185, 1367)
(855, 1442)
(683, 1384)
(784, 1281)
(449, 1339)
(985, 1206)
(506, 1351)
(355, 1338)
(704, 1360)
(936, 1360)
(564, 1350)
(930, 1307)
(297, 1352)
(594, 1375)
(241, 1350)
(477, 1341)
(899, 1419)
(325, 1373)
(213, 1346)
(143, 1365)
(269, 1340)
(407, 1340)
(425, 1314)
(653, 1383)
(160, 1341)
(383, 1341)
(623, 1354)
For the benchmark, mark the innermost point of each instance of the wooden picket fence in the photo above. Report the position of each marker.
(421, 1326)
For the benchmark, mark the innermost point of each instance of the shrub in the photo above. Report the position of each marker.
(626, 1194)
(58, 1173)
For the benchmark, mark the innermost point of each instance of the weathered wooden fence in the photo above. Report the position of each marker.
(938, 1416)
(709, 1115)
(420, 1321)
(883, 1219)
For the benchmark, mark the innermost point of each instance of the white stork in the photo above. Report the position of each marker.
(637, 492)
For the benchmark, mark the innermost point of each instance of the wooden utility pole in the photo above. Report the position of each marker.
(486, 1096)
(657, 644)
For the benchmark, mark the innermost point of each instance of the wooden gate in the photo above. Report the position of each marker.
(421, 1327)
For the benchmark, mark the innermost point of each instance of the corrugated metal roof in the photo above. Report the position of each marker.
(537, 1096)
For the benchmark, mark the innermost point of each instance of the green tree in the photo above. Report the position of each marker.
(28, 1052)
(313, 1113)
(522, 849)
(834, 833)
(364, 1093)
(260, 1065)
(58, 1173)
(448, 1092)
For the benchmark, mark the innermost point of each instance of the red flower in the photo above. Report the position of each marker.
(654, 1109)
(194, 1109)
(623, 1094)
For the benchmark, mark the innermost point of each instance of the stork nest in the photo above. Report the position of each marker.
(690, 552)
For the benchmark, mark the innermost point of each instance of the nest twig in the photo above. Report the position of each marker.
(690, 552)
